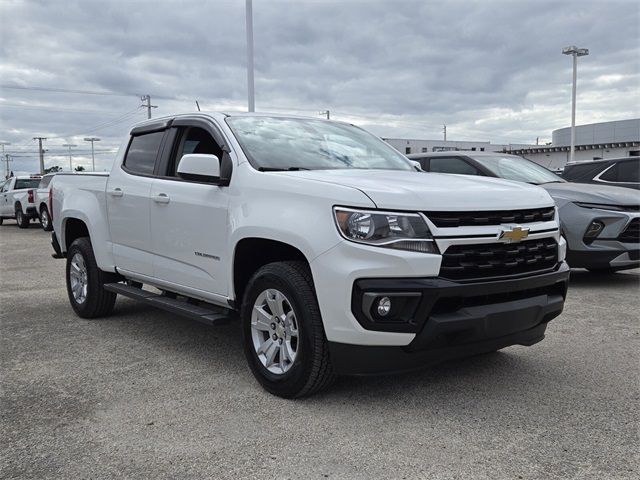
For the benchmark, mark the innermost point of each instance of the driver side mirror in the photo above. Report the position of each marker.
(416, 165)
(199, 167)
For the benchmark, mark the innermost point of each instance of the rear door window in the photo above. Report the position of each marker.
(142, 153)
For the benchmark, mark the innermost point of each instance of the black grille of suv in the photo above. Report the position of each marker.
(632, 232)
(463, 262)
(470, 219)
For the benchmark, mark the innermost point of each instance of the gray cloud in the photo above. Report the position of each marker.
(490, 70)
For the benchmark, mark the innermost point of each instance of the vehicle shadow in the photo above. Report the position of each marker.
(583, 278)
(214, 348)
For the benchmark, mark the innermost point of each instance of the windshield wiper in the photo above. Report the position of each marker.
(285, 169)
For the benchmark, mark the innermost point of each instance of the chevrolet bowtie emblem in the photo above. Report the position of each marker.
(516, 234)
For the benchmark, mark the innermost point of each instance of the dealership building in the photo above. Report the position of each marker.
(593, 142)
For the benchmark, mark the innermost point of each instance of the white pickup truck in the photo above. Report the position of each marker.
(42, 201)
(336, 256)
(17, 199)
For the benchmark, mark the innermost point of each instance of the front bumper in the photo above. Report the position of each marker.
(610, 249)
(455, 319)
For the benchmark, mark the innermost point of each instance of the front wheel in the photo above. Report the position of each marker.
(85, 282)
(284, 338)
(45, 220)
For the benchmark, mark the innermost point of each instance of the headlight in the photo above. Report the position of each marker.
(600, 206)
(403, 231)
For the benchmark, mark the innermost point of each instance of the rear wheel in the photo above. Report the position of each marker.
(45, 219)
(21, 219)
(284, 338)
(1, 220)
(85, 282)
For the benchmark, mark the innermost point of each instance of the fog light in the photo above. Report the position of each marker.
(384, 306)
(593, 230)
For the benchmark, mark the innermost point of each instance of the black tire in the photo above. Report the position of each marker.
(311, 370)
(1, 220)
(21, 219)
(98, 301)
(45, 219)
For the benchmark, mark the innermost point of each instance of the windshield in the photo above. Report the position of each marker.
(273, 143)
(27, 183)
(517, 168)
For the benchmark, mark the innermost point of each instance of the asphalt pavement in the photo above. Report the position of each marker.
(145, 394)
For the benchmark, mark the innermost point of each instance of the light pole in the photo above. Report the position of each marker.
(249, 22)
(575, 52)
(70, 145)
(3, 144)
(93, 156)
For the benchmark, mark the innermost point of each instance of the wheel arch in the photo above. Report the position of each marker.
(252, 253)
(74, 228)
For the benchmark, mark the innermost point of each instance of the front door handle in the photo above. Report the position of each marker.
(116, 192)
(161, 198)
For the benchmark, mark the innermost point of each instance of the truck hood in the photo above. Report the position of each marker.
(593, 193)
(405, 190)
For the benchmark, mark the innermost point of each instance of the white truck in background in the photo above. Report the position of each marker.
(42, 201)
(334, 254)
(17, 199)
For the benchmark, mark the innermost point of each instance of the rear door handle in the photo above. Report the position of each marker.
(161, 198)
(116, 192)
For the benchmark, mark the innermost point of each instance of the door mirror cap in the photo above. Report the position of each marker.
(416, 165)
(199, 167)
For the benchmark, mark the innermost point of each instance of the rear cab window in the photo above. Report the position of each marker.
(26, 183)
(142, 153)
(44, 183)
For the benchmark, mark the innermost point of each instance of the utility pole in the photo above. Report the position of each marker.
(95, 139)
(41, 152)
(147, 98)
(7, 158)
(325, 112)
(70, 162)
(250, 83)
(444, 129)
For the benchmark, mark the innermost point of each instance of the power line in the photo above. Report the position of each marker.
(64, 90)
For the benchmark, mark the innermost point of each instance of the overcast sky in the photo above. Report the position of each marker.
(492, 71)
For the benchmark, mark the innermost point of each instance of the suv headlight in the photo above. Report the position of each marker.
(402, 231)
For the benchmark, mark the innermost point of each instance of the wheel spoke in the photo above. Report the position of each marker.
(262, 321)
(293, 324)
(270, 354)
(275, 300)
(264, 346)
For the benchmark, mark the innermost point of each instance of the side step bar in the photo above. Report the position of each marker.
(209, 315)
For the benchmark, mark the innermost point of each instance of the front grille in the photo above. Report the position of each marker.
(462, 262)
(631, 234)
(498, 217)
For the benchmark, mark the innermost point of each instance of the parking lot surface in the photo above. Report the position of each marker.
(145, 394)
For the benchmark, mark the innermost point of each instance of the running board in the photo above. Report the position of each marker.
(209, 315)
